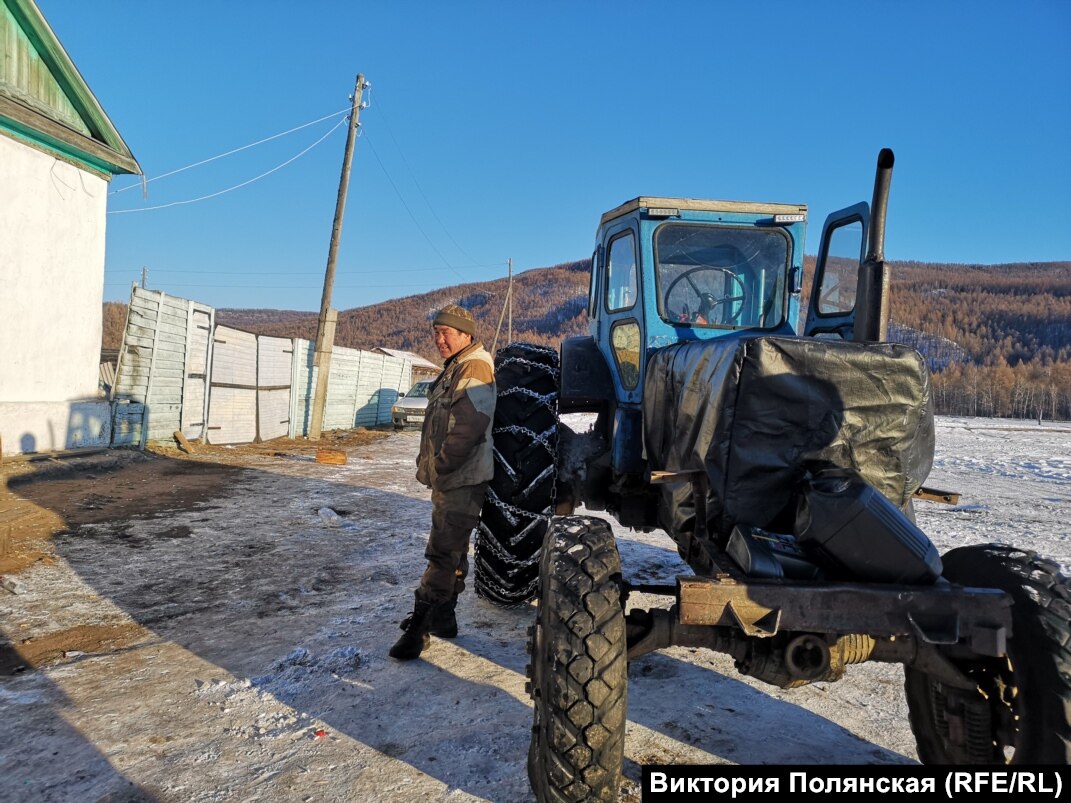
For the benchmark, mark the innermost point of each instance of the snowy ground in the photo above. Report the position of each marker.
(257, 668)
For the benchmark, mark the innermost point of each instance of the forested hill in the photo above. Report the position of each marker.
(548, 304)
(998, 337)
(1012, 313)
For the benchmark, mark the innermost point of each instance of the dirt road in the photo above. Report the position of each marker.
(215, 627)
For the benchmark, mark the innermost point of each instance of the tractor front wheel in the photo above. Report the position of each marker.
(579, 666)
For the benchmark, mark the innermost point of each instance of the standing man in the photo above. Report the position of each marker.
(455, 462)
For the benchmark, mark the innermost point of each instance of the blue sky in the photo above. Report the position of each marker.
(500, 130)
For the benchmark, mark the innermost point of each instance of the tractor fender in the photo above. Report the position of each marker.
(586, 384)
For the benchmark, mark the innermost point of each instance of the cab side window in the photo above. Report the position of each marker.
(621, 285)
(840, 273)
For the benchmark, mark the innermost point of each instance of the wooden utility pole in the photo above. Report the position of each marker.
(507, 304)
(325, 330)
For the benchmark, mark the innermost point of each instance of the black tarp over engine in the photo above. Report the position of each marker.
(756, 415)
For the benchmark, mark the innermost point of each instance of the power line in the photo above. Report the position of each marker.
(420, 189)
(410, 211)
(236, 186)
(230, 152)
(378, 271)
(118, 283)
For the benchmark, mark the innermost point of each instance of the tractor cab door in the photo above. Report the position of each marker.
(831, 310)
(850, 295)
(620, 334)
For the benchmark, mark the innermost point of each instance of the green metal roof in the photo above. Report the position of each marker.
(45, 101)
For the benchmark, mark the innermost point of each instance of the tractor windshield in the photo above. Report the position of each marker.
(721, 276)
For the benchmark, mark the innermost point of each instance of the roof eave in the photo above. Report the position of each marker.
(41, 131)
(107, 137)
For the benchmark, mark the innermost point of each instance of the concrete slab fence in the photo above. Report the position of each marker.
(179, 370)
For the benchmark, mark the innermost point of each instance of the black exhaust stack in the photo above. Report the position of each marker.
(873, 302)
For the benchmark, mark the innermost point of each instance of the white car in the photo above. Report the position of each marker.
(410, 407)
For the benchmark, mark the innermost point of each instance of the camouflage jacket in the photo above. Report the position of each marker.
(455, 442)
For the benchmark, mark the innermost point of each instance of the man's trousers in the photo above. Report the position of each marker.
(454, 515)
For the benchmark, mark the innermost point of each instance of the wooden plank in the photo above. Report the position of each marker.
(171, 327)
(142, 317)
(169, 365)
(138, 389)
(167, 388)
(935, 495)
(147, 317)
(662, 477)
(136, 364)
(172, 380)
(144, 344)
(171, 344)
(141, 302)
(335, 457)
(175, 306)
(167, 407)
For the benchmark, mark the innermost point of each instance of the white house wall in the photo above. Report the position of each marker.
(52, 271)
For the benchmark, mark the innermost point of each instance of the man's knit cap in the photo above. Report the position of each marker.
(457, 317)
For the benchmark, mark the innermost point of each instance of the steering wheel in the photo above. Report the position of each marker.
(709, 301)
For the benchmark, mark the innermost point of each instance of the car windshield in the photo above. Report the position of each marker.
(418, 391)
(721, 276)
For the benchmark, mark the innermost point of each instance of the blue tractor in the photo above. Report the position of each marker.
(784, 462)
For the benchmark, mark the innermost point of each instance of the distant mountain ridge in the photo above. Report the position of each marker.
(548, 304)
(997, 337)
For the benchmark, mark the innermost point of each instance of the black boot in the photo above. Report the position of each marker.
(444, 620)
(416, 626)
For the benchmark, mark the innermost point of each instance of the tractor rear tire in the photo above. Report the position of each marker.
(1021, 710)
(520, 499)
(579, 680)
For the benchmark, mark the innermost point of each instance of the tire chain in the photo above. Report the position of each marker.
(546, 399)
(514, 514)
(520, 498)
(542, 438)
(497, 592)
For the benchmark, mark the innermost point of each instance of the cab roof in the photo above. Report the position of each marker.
(700, 205)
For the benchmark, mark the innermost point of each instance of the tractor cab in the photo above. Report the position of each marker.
(670, 271)
(666, 270)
